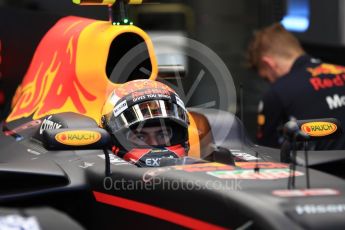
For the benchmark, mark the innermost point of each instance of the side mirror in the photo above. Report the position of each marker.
(305, 130)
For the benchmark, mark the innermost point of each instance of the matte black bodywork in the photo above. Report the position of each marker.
(73, 181)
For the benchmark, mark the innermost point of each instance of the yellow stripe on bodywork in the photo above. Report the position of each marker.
(94, 2)
(135, 2)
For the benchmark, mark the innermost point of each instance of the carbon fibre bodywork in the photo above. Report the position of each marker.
(199, 195)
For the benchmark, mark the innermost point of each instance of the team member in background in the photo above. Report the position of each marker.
(302, 87)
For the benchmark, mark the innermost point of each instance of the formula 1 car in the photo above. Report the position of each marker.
(76, 182)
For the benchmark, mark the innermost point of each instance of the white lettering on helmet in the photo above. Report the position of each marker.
(179, 101)
(120, 108)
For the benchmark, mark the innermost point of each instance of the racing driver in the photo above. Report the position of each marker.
(147, 121)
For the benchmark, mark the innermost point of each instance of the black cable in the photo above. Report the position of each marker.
(306, 164)
(107, 163)
(241, 103)
(257, 168)
(294, 155)
(290, 174)
(292, 167)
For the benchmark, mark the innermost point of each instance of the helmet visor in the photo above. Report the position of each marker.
(147, 111)
(150, 136)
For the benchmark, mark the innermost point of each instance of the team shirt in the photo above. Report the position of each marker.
(311, 90)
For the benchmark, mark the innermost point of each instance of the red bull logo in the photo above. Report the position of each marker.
(78, 137)
(319, 129)
(325, 83)
(326, 69)
(337, 78)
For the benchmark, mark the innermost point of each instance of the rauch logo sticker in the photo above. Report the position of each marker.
(78, 137)
(319, 129)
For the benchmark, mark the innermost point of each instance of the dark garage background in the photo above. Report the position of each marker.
(225, 26)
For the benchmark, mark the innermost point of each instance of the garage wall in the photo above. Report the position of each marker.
(226, 28)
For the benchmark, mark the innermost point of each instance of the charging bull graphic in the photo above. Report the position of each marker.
(45, 77)
(61, 76)
(326, 69)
